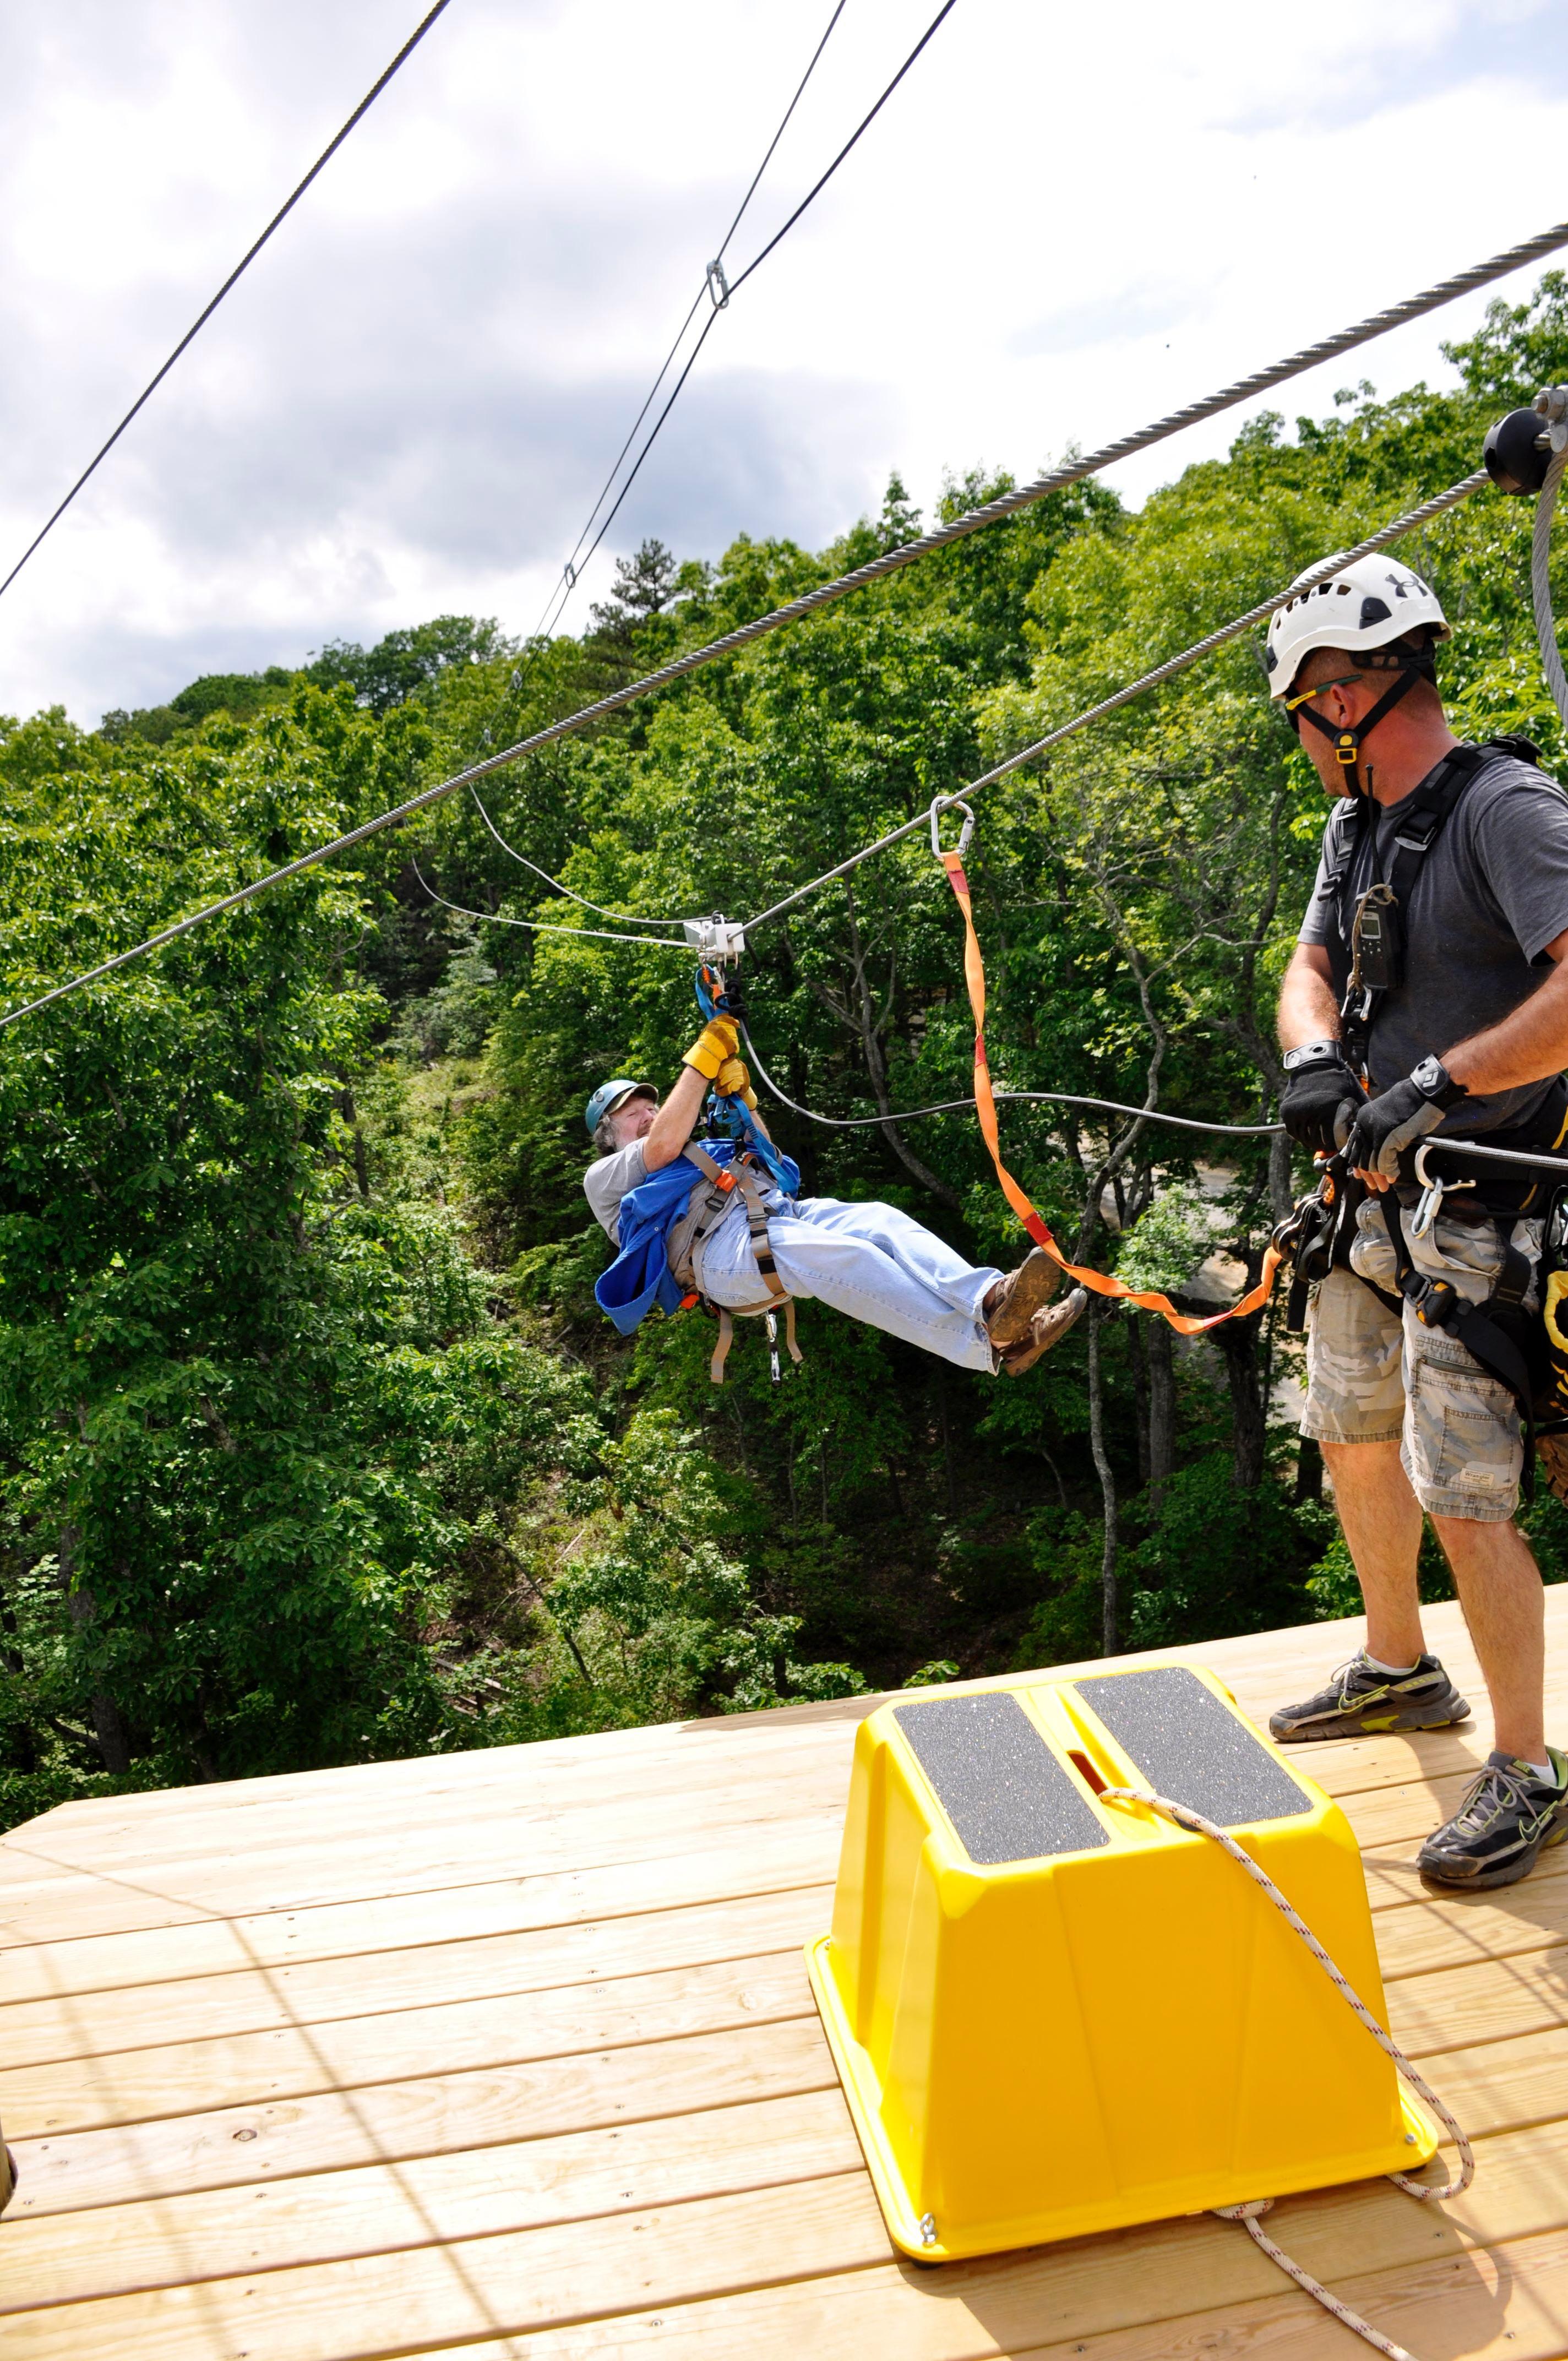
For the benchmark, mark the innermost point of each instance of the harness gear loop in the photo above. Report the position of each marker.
(1034, 1222)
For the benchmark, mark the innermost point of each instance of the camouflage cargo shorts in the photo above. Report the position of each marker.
(1374, 1378)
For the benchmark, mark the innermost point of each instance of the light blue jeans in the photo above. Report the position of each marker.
(870, 1262)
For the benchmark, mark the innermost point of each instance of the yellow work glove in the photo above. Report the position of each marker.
(717, 1042)
(732, 1080)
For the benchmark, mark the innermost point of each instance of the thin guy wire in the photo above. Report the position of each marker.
(812, 194)
(538, 927)
(737, 285)
(371, 95)
(631, 916)
(549, 619)
(1540, 585)
(887, 561)
(957, 1106)
(1410, 522)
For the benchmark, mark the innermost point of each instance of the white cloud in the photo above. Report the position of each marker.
(1060, 227)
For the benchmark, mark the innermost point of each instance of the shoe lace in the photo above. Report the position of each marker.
(1495, 1791)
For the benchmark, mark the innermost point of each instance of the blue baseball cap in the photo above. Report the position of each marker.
(610, 1096)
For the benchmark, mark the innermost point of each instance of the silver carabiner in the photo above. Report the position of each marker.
(1433, 1192)
(939, 804)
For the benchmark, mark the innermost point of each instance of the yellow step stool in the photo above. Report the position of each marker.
(1052, 2014)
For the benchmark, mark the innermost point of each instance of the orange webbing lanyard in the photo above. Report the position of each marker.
(985, 1107)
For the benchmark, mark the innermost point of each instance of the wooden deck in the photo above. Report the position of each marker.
(512, 2054)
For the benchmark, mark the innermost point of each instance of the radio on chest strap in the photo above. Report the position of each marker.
(1376, 928)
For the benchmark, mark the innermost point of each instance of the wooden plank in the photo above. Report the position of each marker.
(524, 1787)
(338, 1866)
(340, 2311)
(1529, 1917)
(1479, 2002)
(139, 2085)
(378, 1984)
(1508, 2084)
(1178, 2289)
(1509, 2303)
(267, 2140)
(792, 1858)
(1461, 2008)
(1200, 2286)
(531, 2184)
(65, 1907)
(404, 1851)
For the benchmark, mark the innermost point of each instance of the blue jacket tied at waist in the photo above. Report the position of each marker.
(640, 1277)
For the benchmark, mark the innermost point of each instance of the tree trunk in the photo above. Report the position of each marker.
(107, 1728)
(1281, 1195)
(1162, 1410)
(1237, 1341)
(1135, 1355)
(1108, 1600)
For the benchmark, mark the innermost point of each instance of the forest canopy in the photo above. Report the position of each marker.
(314, 1447)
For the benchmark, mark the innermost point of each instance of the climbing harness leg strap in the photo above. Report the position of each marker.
(725, 1182)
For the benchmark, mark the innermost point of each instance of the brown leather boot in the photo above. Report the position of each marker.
(1048, 1326)
(1015, 1300)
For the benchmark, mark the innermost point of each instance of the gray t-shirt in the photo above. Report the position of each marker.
(1487, 898)
(613, 1177)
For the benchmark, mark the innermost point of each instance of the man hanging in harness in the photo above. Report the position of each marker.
(1427, 999)
(723, 1220)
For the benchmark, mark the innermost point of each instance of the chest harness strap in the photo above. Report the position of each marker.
(1377, 926)
(723, 1181)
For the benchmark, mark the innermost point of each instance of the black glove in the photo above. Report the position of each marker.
(1318, 1087)
(1397, 1118)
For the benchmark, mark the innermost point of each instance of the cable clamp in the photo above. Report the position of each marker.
(718, 285)
(939, 804)
(570, 571)
(1552, 403)
(716, 938)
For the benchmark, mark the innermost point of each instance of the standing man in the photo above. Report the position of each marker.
(1426, 998)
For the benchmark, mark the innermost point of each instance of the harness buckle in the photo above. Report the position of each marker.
(1435, 1302)
(1345, 752)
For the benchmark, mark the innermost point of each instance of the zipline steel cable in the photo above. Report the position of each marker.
(810, 197)
(553, 612)
(191, 333)
(243, 893)
(810, 602)
(1410, 521)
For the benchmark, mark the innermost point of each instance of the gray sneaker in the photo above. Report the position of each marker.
(1508, 1816)
(1362, 1702)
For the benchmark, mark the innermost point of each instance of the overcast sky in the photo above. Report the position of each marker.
(1065, 222)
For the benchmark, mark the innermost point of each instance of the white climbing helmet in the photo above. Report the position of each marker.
(1373, 602)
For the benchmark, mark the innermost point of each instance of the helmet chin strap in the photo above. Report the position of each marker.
(1348, 743)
